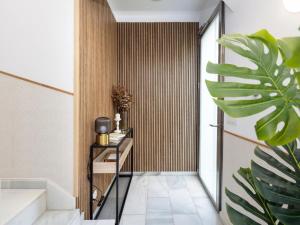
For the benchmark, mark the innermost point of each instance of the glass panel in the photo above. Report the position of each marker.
(209, 112)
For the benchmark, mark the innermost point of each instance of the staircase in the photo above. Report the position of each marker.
(38, 202)
(60, 217)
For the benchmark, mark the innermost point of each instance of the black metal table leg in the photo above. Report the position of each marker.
(117, 186)
(91, 183)
(131, 155)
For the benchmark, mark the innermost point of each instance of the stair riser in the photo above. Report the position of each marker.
(30, 214)
(76, 220)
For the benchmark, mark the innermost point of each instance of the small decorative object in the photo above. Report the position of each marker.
(122, 101)
(102, 139)
(116, 138)
(118, 119)
(102, 128)
(102, 125)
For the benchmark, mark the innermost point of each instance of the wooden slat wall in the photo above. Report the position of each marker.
(97, 73)
(158, 64)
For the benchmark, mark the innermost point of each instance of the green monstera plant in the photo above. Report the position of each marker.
(278, 196)
(270, 87)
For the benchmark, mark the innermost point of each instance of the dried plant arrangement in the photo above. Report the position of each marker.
(121, 98)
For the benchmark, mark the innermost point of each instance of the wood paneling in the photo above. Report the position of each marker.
(158, 64)
(97, 73)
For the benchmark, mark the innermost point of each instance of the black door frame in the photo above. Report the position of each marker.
(220, 10)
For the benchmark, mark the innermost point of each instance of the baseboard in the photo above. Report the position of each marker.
(171, 173)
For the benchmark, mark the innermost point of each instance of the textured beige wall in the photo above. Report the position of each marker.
(36, 132)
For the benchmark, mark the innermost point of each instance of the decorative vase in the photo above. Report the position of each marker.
(124, 121)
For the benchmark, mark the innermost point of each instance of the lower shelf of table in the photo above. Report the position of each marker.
(107, 211)
(101, 167)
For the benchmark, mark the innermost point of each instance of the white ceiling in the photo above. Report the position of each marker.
(161, 10)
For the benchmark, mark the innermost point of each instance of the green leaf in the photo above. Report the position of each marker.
(275, 163)
(266, 37)
(264, 215)
(286, 216)
(249, 192)
(272, 178)
(275, 86)
(237, 218)
(290, 47)
(277, 194)
(282, 155)
(279, 191)
(297, 75)
(246, 205)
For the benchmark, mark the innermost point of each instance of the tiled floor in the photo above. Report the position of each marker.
(168, 200)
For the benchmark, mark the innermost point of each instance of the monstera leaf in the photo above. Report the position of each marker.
(290, 48)
(277, 194)
(273, 85)
(238, 218)
(281, 192)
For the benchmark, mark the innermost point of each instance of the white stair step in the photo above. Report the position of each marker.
(21, 206)
(59, 217)
(98, 222)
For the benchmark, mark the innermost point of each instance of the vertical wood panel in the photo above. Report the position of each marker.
(158, 64)
(97, 74)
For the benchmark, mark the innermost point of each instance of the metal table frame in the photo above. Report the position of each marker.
(129, 134)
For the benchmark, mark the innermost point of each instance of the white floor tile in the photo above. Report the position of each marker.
(135, 204)
(136, 200)
(158, 206)
(139, 181)
(206, 211)
(157, 187)
(188, 220)
(175, 182)
(133, 220)
(182, 202)
(159, 219)
(168, 200)
(194, 186)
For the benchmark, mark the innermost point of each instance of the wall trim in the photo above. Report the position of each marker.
(170, 173)
(246, 139)
(36, 83)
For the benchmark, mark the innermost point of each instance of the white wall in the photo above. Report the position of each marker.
(248, 17)
(37, 40)
(36, 123)
(36, 133)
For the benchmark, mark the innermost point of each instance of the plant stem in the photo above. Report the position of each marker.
(263, 202)
(268, 211)
(291, 152)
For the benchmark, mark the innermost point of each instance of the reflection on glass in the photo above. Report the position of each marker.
(208, 112)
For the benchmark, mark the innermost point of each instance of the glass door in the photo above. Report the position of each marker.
(211, 118)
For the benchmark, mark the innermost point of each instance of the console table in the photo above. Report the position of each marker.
(115, 197)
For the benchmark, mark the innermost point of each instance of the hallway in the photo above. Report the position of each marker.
(168, 200)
